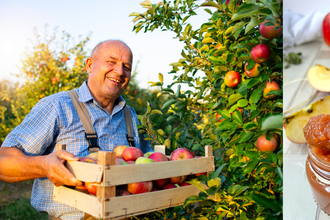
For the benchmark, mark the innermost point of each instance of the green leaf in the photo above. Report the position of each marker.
(251, 165)
(266, 202)
(238, 26)
(208, 40)
(169, 103)
(237, 116)
(242, 103)
(161, 78)
(156, 111)
(224, 113)
(198, 184)
(211, 4)
(215, 59)
(244, 56)
(246, 10)
(161, 132)
(253, 22)
(226, 125)
(245, 136)
(178, 93)
(233, 98)
(272, 122)
(255, 96)
(168, 90)
(192, 199)
(168, 129)
(134, 14)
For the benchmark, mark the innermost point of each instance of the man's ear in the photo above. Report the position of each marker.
(89, 63)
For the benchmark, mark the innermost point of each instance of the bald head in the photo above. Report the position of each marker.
(97, 48)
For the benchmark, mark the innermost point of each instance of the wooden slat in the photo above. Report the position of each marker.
(160, 148)
(106, 159)
(126, 206)
(87, 172)
(118, 175)
(79, 200)
(208, 151)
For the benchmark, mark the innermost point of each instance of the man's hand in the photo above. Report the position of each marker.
(56, 172)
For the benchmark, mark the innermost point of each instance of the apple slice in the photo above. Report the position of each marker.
(295, 123)
(319, 78)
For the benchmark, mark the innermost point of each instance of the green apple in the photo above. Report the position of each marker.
(147, 154)
(141, 160)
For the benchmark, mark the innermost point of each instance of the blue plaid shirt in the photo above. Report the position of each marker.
(54, 120)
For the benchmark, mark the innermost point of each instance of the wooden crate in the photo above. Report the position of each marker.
(107, 206)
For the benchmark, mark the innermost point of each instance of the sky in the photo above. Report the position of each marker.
(107, 19)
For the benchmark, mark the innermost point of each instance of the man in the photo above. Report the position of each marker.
(28, 151)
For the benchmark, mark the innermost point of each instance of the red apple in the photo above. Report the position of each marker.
(270, 86)
(119, 151)
(181, 154)
(158, 157)
(120, 161)
(270, 32)
(178, 179)
(185, 184)
(232, 79)
(326, 29)
(122, 192)
(130, 162)
(265, 145)
(87, 160)
(252, 72)
(160, 183)
(139, 187)
(169, 186)
(91, 187)
(260, 53)
(218, 117)
(132, 153)
(154, 189)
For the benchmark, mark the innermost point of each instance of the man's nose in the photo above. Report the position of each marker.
(119, 69)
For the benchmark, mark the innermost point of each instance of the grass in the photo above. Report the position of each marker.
(15, 202)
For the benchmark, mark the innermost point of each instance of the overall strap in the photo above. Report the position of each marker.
(129, 126)
(90, 133)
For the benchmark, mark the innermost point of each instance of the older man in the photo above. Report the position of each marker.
(28, 151)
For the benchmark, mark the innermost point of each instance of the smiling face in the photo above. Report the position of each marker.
(109, 70)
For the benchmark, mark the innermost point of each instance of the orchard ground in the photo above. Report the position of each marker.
(15, 201)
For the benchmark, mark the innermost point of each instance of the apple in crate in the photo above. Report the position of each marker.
(185, 184)
(122, 192)
(142, 160)
(158, 157)
(91, 187)
(169, 186)
(178, 179)
(119, 150)
(139, 187)
(181, 154)
(120, 161)
(160, 183)
(82, 188)
(132, 153)
(88, 160)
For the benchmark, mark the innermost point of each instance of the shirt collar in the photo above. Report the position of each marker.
(85, 96)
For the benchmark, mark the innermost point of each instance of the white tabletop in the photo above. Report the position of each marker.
(298, 201)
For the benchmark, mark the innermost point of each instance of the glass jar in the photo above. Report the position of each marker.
(318, 175)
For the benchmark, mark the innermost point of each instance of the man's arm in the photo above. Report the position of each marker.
(15, 166)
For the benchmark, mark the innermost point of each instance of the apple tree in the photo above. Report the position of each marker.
(220, 108)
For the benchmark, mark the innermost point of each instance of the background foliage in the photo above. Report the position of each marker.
(248, 183)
